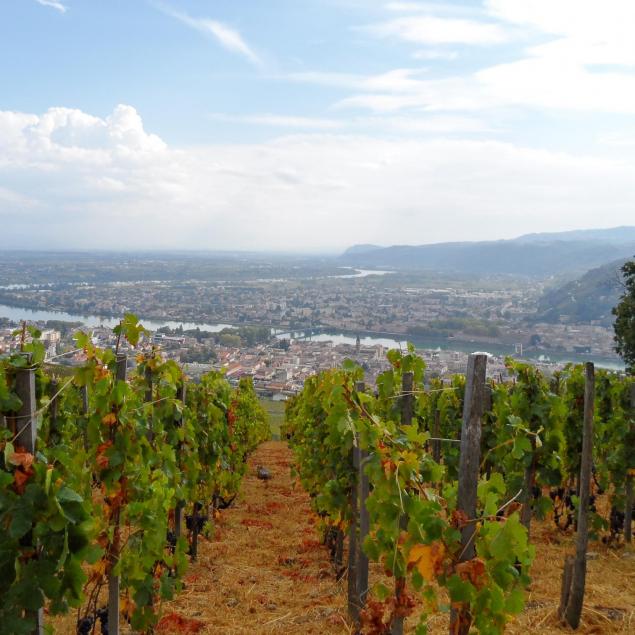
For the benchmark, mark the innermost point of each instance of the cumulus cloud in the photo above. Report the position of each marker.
(68, 178)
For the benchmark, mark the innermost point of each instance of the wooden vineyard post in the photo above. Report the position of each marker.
(178, 512)
(487, 408)
(407, 412)
(353, 598)
(84, 395)
(487, 401)
(357, 559)
(195, 509)
(364, 528)
(26, 437)
(436, 433)
(54, 404)
(113, 580)
(148, 399)
(565, 589)
(339, 552)
(528, 484)
(575, 597)
(364, 521)
(194, 545)
(629, 501)
(461, 618)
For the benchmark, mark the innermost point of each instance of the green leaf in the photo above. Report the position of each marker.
(515, 602)
(66, 494)
(8, 451)
(460, 591)
(21, 523)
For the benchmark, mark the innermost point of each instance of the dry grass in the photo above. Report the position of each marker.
(263, 570)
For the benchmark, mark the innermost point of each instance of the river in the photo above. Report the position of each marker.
(336, 336)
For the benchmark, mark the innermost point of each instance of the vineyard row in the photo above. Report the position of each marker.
(98, 473)
(439, 482)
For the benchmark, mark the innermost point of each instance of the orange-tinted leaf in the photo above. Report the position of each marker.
(110, 419)
(22, 459)
(473, 571)
(20, 479)
(427, 558)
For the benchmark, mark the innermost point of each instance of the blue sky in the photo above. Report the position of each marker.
(312, 124)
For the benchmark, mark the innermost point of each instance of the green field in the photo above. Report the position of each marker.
(276, 415)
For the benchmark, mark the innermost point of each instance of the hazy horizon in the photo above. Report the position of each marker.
(325, 253)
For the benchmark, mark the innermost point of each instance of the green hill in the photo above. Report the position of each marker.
(589, 298)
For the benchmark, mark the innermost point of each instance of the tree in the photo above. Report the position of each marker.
(624, 314)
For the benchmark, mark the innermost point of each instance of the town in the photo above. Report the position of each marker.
(499, 313)
(278, 366)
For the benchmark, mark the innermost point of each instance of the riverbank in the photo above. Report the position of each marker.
(337, 336)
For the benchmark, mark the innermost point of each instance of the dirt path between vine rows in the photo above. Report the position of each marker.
(263, 569)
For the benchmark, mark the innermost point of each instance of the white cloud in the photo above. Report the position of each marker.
(377, 125)
(54, 4)
(228, 38)
(106, 182)
(280, 121)
(435, 54)
(429, 29)
(579, 55)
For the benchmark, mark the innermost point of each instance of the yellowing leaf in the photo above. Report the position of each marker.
(110, 419)
(427, 558)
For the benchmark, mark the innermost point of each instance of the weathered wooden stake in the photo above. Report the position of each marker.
(461, 619)
(178, 512)
(194, 545)
(148, 399)
(576, 596)
(407, 413)
(364, 528)
(363, 489)
(629, 500)
(339, 551)
(528, 488)
(84, 393)
(54, 404)
(364, 524)
(353, 596)
(436, 433)
(26, 437)
(565, 589)
(487, 403)
(113, 580)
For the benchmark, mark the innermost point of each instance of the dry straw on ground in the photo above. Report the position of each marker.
(263, 570)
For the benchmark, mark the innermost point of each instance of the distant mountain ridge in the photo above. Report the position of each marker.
(361, 249)
(616, 235)
(532, 254)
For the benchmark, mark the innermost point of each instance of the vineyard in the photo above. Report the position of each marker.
(418, 501)
(439, 484)
(98, 473)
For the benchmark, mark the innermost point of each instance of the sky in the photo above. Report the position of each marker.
(312, 125)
